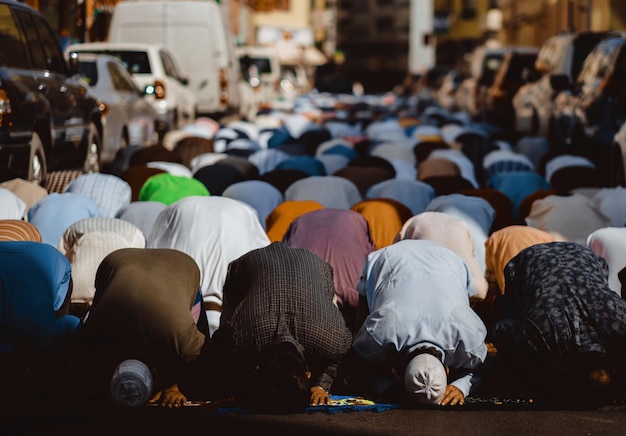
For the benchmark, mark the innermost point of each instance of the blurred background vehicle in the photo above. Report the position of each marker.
(294, 80)
(589, 116)
(512, 74)
(199, 35)
(261, 70)
(558, 63)
(445, 96)
(155, 70)
(268, 78)
(484, 62)
(49, 119)
(597, 100)
(128, 118)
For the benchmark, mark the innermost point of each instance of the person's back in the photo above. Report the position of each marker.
(564, 320)
(342, 238)
(417, 293)
(418, 281)
(214, 230)
(142, 309)
(296, 280)
(35, 326)
(276, 295)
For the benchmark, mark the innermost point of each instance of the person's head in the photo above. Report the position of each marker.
(425, 378)
(281, 383)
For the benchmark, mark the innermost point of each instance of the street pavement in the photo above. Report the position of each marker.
(492, 419)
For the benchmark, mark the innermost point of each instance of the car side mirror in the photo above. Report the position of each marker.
(72, 63)
(559, 82)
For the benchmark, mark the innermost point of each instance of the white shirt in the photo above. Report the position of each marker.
(214, 231)
(610, 243)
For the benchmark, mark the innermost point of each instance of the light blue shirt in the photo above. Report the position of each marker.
(417, 293)
(54, 213)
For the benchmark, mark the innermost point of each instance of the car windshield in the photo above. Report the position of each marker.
(263, 64)
(89, 72)
(582, 47)
(135, 61)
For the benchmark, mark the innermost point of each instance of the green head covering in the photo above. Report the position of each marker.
(167, 188)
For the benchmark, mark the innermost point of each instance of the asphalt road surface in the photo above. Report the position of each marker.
(465, 420)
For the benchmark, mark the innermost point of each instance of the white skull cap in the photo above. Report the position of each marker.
(425, 379)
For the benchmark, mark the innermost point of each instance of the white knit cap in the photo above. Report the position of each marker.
(425, 379)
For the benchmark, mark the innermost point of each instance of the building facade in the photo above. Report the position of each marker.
(531, 23)
(369, 39)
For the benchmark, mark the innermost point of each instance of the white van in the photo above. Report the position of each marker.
(198, 34)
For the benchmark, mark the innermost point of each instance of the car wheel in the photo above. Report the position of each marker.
(94, 144)
(37, 169)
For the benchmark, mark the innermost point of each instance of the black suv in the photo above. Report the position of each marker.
(49, 119)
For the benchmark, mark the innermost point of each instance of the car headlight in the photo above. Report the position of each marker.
(6, 112)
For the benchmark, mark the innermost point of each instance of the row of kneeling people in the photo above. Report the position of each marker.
(215, 309)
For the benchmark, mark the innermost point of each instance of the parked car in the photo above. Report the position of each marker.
(597, 100)
(155, 70)
(129, 118)
(590, 115)
(515, 69)
(49, 119)
(484, 63)
(558, 63)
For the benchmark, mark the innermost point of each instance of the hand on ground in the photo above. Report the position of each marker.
(453, 396)
(319, 396)
(169, 397)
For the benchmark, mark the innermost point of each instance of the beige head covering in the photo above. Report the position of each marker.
(504, 244)
(450, 232)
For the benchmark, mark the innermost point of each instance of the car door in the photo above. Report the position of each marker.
(184, 98)
(135, 111)
(14, 57)
(68, 109)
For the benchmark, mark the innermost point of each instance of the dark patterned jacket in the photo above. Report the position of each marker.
(561, 303)
(282, 294)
